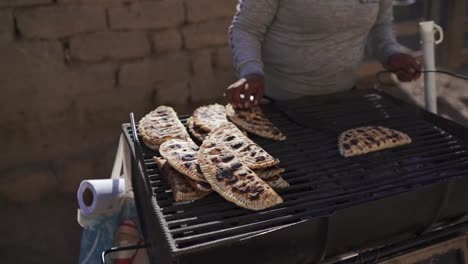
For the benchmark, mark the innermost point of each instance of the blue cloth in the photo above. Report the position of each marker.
(99, 230)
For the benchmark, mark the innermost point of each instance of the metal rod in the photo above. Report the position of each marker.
(116, 249)
(428, 30)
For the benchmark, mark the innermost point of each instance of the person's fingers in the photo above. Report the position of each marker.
(236, 94)
(230, 93)
(234, 97)
(410, 70)
(413, 69)
(227, 94)
(230, 96)
(406, 70)
(258, 94)
(233, 93)
(417, 73)
(247, 93)
(404, 76)
(256, 97)
(417, 66)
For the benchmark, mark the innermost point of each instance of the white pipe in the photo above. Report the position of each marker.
(428, 30)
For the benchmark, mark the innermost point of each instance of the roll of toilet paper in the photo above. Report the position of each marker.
(98, 196)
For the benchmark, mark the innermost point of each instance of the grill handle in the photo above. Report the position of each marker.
(140, 161)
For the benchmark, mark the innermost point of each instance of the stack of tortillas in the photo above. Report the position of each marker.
(163, 125)
(227, 162)
(205, 119)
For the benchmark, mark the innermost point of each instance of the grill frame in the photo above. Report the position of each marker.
(325, 231)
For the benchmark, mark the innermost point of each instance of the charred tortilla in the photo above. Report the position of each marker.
(247, 151)
(199, 185)
(232, 179)
(181, 189)
(195, 130)
(363, 140)
(161, 125)
(269, 172)
(210, 117)
(150, 144)
(277, 183)
(182, 155)
(254, 121)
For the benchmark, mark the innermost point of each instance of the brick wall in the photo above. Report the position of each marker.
(72, 70)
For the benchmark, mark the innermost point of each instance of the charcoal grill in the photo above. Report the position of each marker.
(334, 205)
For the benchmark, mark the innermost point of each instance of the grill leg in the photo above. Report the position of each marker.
(325, 228)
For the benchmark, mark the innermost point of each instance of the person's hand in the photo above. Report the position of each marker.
(251, 88)
(405, 66)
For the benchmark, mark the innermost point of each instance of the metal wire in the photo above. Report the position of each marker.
(446, 72)
(116, 249)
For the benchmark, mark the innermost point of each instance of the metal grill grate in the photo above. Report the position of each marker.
(322, 182)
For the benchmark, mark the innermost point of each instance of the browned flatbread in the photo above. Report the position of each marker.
(182, 155)
(363, 140)
(149, 144)
(210, 117)
(267, 173)
(232, 179)
(161, 125)
(251, 154)
(195, 130)
(199, 185)
(181, 189)
(277, 183)
(254, 121)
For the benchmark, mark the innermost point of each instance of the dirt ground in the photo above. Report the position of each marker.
(41, 232)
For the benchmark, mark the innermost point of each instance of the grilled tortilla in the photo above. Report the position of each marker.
(254, 121)
(161, 125)
(269, 172)
(195, 130)
(209, 117)
(182, 156)
(251, 154)
(363, 140)
(277, 183)
(199, 185)
(232, 179)
(181, 189)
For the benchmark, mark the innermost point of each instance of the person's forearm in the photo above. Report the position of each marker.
(246, 50)
(246, 34)
(381, 40)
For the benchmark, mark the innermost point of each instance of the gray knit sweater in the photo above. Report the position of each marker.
(309, 47)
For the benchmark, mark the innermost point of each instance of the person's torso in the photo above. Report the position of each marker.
(317, 42)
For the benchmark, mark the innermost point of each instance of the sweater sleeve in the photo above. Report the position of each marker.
(381, 40)
(247, 30)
